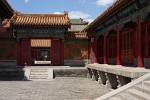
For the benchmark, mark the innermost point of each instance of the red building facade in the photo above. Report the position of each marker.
(6, 12)
(76, 44)
(40, 37)
(120, 35)
(7, 42)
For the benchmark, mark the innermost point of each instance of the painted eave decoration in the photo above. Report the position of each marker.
(114, 8)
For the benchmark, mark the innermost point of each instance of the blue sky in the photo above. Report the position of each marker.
(86, 9)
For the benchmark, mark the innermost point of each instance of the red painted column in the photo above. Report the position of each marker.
(96, 50)
(56, 52)
(18, 52)
(89, 51)
(105, 49)
(140, 55)
(118, 56)
(25, 52)
(62, 52)
(93, 55)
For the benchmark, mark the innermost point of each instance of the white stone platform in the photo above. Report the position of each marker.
(132, 72)
(50, 72)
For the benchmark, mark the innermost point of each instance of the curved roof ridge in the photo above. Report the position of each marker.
(40, 15)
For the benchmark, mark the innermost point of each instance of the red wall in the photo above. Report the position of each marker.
(57, 52)
(18, 52)
(25, 54)
(93, 54)
(7, 49)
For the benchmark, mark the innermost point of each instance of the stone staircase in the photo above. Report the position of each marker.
(138, 89)
(137, 92)
(38, 73)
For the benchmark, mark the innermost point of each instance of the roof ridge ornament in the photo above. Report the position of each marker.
(67, 17)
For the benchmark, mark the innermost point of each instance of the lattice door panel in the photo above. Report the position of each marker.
(127, 52)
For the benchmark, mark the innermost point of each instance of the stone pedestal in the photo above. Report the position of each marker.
(102, 77)
(124, 80)
(94, 75)
(113, 80)
(89, 74)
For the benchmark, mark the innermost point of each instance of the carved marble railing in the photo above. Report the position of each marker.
(114, 76)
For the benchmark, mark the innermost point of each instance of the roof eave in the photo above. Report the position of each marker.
(104, 15)
(9, 9)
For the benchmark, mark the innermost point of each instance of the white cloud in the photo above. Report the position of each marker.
(58, 13)
(89, 20)
(26, 1)
(104, 2)
(78, 14)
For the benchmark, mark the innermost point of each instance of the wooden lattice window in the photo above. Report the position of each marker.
(127, 47)
(101, 47)
(111, 45)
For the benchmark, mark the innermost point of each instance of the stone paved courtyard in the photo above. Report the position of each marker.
(61, 88)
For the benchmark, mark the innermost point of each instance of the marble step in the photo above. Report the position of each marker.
(38, 73)
(38, 69)
(115, 98)
(125, 96)
(138, 94)
(146, 83)
(38, 77)
(143, 88)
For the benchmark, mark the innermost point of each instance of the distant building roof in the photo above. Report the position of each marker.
(41, 19)
(79, 21)
(77, 25)
(77, 28)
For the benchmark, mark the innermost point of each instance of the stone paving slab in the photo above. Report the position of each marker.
(61, 88)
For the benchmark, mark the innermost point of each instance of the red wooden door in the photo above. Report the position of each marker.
(56, 52)
(25, 52)
(127, 48)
